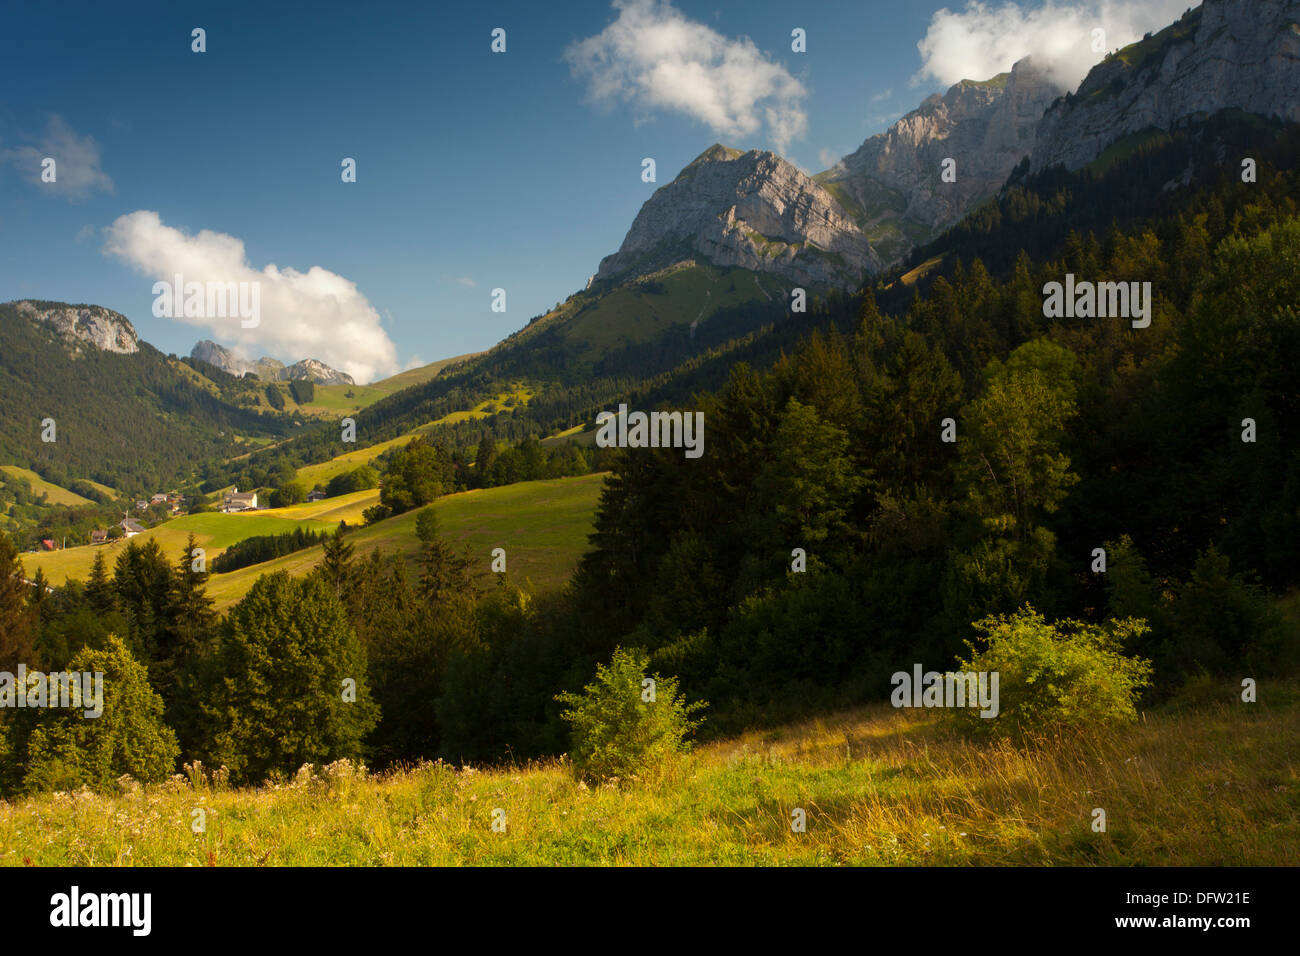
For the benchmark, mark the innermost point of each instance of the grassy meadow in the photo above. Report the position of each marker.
(311, 475)
(1218, 784)
(212, 531)
(543, 525)
(55, 494)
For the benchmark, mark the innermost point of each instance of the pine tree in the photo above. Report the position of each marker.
(39, 595)
(443, 572)
(99, 589)
(484, 459)
(187, 638)
(291, 686)
(337, 562)
(17, 619)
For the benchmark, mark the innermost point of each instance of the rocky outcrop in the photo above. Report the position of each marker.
(752, 210)
(93, 325)
(219, 357)
(268, 369)
(1225, 54)
(893, 184)
(313, 370)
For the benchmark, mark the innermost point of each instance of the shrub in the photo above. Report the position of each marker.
(1065, 676)
(622, 725)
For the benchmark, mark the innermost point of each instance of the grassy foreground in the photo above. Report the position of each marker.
(1212, 786)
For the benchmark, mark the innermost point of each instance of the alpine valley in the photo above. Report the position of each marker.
(921, 450)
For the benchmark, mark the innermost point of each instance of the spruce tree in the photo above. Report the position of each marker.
(291, 685)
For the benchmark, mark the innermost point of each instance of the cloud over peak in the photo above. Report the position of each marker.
(985, 39)
(656, 58)
(314, 314)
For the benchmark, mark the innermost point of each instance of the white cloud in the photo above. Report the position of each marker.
(986, 39)
(882, 96)
(827, 158)
(461, 280)
(657, 59)
(313, 314)
(76, 162)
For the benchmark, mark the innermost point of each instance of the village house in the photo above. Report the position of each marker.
(130, 527)
(98, 537)
(315, 495)
(235, 501)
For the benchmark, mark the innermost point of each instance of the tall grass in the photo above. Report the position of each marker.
(1216, 785)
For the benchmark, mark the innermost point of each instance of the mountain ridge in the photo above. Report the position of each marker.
(892, 181)
(1224, 54)
(268, 369)
(752, 210)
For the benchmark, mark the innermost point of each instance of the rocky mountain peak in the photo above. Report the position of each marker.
(268, 369)
(218, 357)
(1225, 54)
(314, 370)
(93, 325)
(753, 210)
(892, 182)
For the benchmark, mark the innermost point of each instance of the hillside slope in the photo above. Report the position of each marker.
(124, 414)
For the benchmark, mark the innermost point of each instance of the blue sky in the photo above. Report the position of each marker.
(475, 170)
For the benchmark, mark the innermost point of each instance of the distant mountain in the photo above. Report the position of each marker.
(753, 211)
(268, 369)
(122, 413)
(891, 184)
(312, 370)
(1225, 54)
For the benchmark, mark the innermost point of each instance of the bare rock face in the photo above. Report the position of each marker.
(752, 210)
(219, 357)
(93, 325)
(268, 369)
(892, 183)
(314, 370)
(1225, 54)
